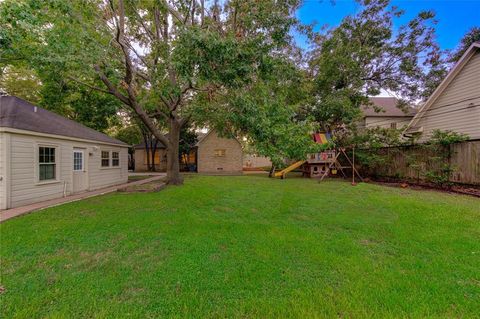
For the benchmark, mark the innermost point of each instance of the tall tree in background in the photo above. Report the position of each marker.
(267, 114)
(364, 55)
(156, 57)
(472, 36)
(21, 82)
(67, 98)
(440, 67)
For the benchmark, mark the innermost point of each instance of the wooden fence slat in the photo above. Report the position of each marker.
(465, 159)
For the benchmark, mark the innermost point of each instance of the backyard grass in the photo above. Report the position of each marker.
(246, 246)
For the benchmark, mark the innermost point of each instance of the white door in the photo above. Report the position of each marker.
(80, 181)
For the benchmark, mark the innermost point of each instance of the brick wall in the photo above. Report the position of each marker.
(210, 160)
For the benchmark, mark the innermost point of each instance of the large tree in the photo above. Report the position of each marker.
(365, 55)
(267, 114)
(65, 97)
(21, 82)
(157, 57)
(470, 37)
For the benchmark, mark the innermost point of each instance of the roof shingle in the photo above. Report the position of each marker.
(19, 114)
(388, 107)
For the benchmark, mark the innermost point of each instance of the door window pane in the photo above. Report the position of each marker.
(78, 161)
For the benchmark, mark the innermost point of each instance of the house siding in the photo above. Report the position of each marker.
(160, 160)
(458, 106)
(209, 163)
(386, 121)
(4, 153)
(25, 188)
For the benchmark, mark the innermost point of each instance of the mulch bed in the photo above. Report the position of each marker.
(456, 188)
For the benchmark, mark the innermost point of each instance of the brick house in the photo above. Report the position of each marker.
(212, 155)
(216, 154)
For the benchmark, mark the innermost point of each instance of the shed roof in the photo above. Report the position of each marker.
(19, 114)
(388, 107)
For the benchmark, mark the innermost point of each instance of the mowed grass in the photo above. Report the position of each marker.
(247, 247)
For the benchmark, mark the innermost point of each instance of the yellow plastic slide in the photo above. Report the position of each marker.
(289, 169)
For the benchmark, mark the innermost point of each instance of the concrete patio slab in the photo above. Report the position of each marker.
(18, 211)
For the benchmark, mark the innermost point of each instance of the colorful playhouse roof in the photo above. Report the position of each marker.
(322, 138)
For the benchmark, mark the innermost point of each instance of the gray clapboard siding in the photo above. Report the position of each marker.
(458, 106)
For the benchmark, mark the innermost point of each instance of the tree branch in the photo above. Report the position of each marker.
(89, 85)
(111, 88)
(177, 15)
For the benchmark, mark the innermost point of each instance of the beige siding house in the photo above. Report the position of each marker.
(385, 113)
(45, 156)
(141, 162)
(455, 104)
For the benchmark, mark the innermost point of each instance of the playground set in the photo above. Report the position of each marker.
(325, 163)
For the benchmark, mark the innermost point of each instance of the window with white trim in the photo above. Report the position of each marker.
(105, 158)
(77, 161)
(115, 159)
(47, 166)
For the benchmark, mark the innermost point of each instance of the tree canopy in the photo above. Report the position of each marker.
(233, 65)
(364, 56)
(470, 37)
(157, 58)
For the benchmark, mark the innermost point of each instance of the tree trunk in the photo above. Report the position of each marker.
(272, 171)
(173, 158)
(147, 150)
(153, 152)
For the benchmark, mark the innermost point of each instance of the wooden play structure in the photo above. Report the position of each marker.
(325, 163)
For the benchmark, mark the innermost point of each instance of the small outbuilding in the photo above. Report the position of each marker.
(219, 155)
(212, 154)
(143, 156)
(46, 156)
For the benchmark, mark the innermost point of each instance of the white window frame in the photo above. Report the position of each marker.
(37, 163)
(103, 158)
(118, 158)
(83, 161)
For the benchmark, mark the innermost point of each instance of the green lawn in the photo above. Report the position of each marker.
(247, 246)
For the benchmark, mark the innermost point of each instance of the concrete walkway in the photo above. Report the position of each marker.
(14, 212)
(147, 174)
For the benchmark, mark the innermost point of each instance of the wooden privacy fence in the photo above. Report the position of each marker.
(414, 162)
